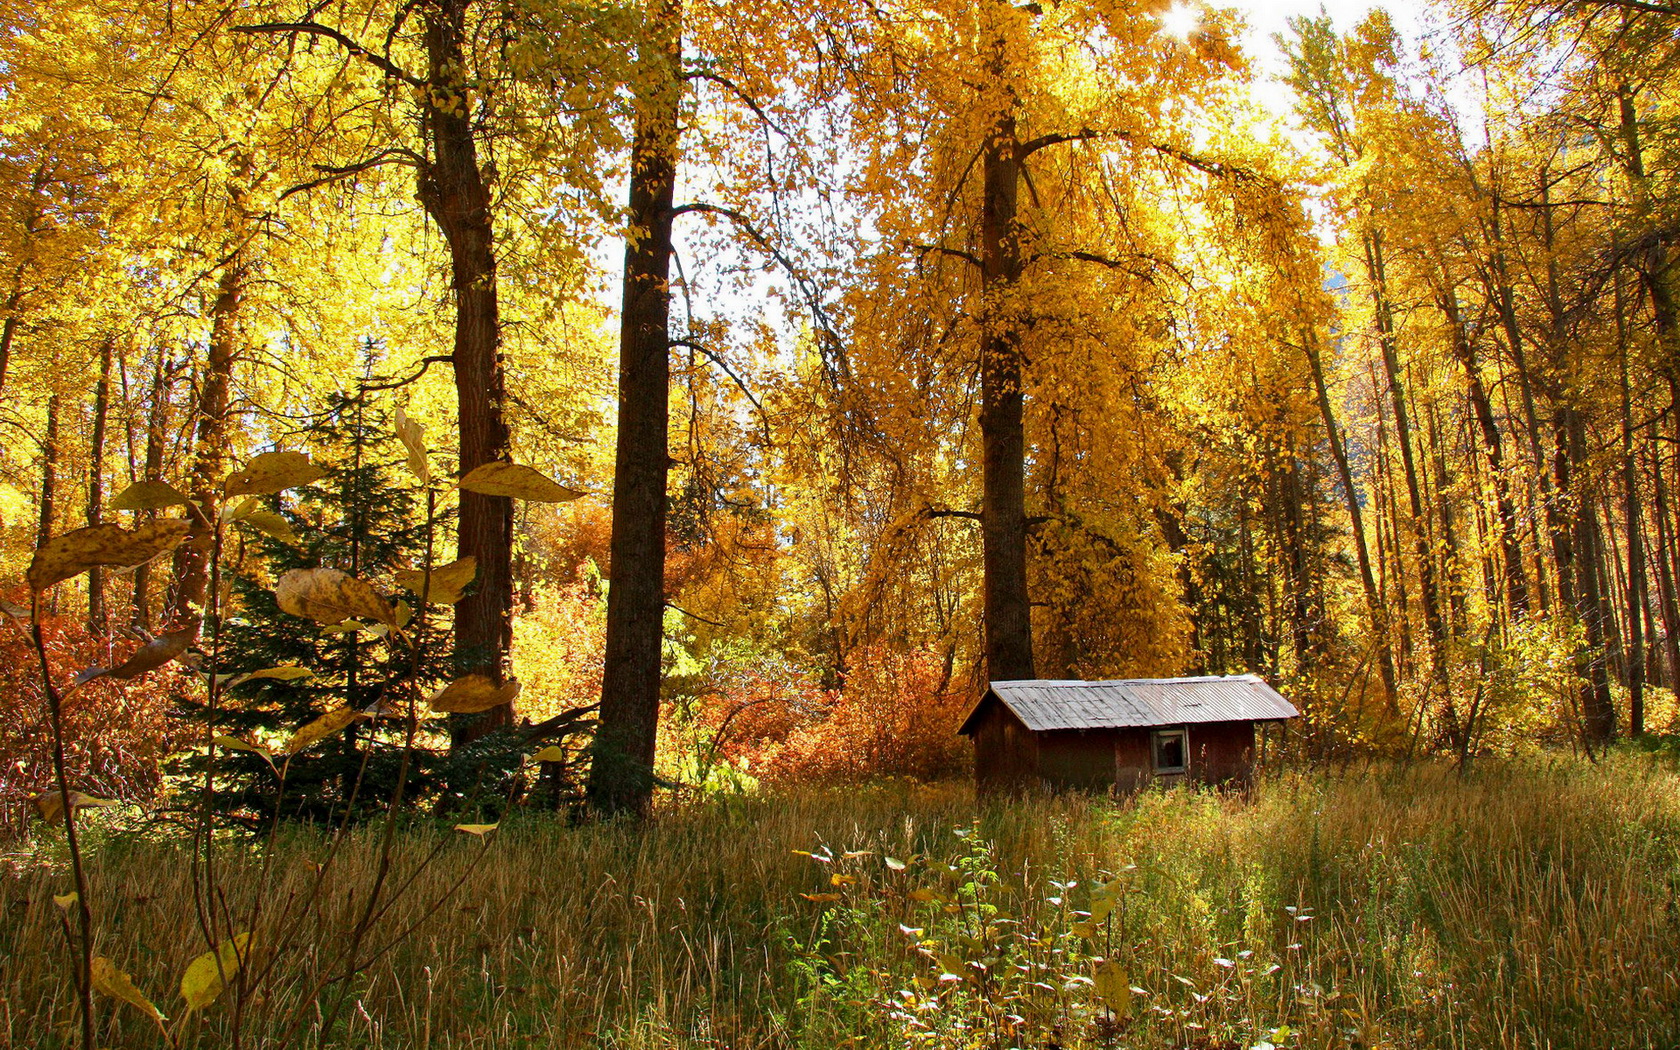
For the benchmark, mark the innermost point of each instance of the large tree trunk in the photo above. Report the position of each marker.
(621, 771)
(1003, 507)
(96, 483)
(192, 558)
(1427, 587)
(1356, 517)
(454, 193)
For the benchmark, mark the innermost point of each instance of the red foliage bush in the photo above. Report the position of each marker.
(896, 715)
(116, 734)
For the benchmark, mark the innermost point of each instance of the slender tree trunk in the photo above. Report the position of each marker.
(455, 195)
(1427, 584)
(1597, 708)
(1510, 537)
(1388, 535)
(97, 622)
(8, 332)
(621, 773)
(1452, 559)
(1669, 601)
(49, 475)
(1344, 472)
(1505, 300)
(192, 575)
(1636, 576)
(157, 437)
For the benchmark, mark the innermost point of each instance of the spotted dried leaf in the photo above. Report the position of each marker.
(320, 729)
(448, 582)
(472, 694)
(149, 657)
(149, 495)
(272, 472)
(96, 546)
(330, 596)
(518, 481)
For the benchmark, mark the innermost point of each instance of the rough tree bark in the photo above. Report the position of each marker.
(49, 475)
(1003, 507)
(192, 558)
(454, 193)
(621, 770)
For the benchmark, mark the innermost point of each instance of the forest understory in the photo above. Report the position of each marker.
(1516, 904)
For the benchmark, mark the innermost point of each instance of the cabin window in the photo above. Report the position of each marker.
(1171, 747)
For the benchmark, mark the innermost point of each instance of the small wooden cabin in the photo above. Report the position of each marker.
(1124, 735)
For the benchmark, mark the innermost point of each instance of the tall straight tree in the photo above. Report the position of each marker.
(621, 772)
(454, 193)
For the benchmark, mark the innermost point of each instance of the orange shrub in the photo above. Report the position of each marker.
(116, 733)
(896, 715)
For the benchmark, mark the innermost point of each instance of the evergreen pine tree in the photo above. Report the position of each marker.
(366, 519)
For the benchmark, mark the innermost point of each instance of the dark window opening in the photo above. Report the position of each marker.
(1170, 751)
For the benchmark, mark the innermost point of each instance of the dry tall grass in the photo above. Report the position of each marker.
(1527, 906)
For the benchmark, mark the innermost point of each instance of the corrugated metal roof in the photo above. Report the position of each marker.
(1043, 705)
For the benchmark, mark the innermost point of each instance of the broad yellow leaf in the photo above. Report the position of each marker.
(448, 582)
(149, 495)
(518, 481)
(551, 753)
(108, 980)
(272, 472)
(321, 728)
(232, 512)
(273, 525)
(233, 743)
(282, 673)
(472, 694)
(413, 437)
(329, 596)
(107, 545)
(65, 900)
(1113, 987)
(207, 975)
(51, 806)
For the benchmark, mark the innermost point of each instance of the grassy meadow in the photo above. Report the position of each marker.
(1526, 905)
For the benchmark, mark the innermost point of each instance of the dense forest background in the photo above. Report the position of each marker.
(859, 352)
